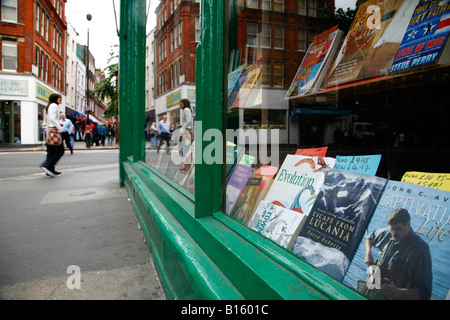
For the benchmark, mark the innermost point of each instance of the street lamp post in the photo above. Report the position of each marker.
(87, 109)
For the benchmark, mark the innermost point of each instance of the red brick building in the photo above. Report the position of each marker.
(279, 32)
(177, 35)
(32, 38)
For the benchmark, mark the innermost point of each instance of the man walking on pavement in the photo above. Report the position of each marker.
(67, 129)
(164, 133)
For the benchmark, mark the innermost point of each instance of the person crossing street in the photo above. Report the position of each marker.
(67, 130)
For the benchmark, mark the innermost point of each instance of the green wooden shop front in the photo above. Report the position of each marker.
(200, 252)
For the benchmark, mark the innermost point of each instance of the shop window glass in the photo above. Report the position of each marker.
(41, 124)
(10, 122)
(331, 102)
(169, 129)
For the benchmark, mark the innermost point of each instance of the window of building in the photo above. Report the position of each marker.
(278, 5)
(9, 55)
(266, 73)
(266, 35)
(302, 7)
(42, 22)
(301, 39)
(254, 4)
(252, 34)
(278, 37)
(178, 34)
(266, 5)
(197, 29)
(10, 129)
(9, 10)
(312, 8)
(172, 39)
(38, 16)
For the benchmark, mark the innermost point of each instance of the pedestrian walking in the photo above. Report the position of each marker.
(55, 148)
(153, 132)
(67, 130)
(102, 134)
(164, 133)
(110, 134)
(186, 120)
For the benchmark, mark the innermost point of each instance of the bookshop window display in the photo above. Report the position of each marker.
(342, 162)
(172, 149)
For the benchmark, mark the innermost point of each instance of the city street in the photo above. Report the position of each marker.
(70, 237)
(25, 163)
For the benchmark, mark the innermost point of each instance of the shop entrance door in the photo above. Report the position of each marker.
(9, 122)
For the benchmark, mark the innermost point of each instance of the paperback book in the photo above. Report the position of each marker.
(372, 41)
(264, 187)
(415, 261)
(425, 37)
(235, 185)
(334, 227)
(313, 152)
(315, 63)
(247, 85)
(247, 199)
(277, 223)
(298, 182)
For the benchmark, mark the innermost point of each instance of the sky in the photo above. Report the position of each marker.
(102, 27)
(344, 4)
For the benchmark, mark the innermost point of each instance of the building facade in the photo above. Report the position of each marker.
(33, 62)
(150, 75)
(71, 68)
(176, 39)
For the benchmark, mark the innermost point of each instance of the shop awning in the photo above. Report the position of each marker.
(93, 119)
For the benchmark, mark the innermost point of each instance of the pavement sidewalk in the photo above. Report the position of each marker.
(78, 145)
(51, 228)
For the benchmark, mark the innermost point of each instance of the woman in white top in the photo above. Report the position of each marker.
(54, 153)
(186, 118)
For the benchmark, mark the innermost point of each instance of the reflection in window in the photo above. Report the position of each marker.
(278, 5)
(312, 8)
(302, 7)
(252, 34)
(354, 94)
(301, 39)
(278, 37)
(265, 35)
